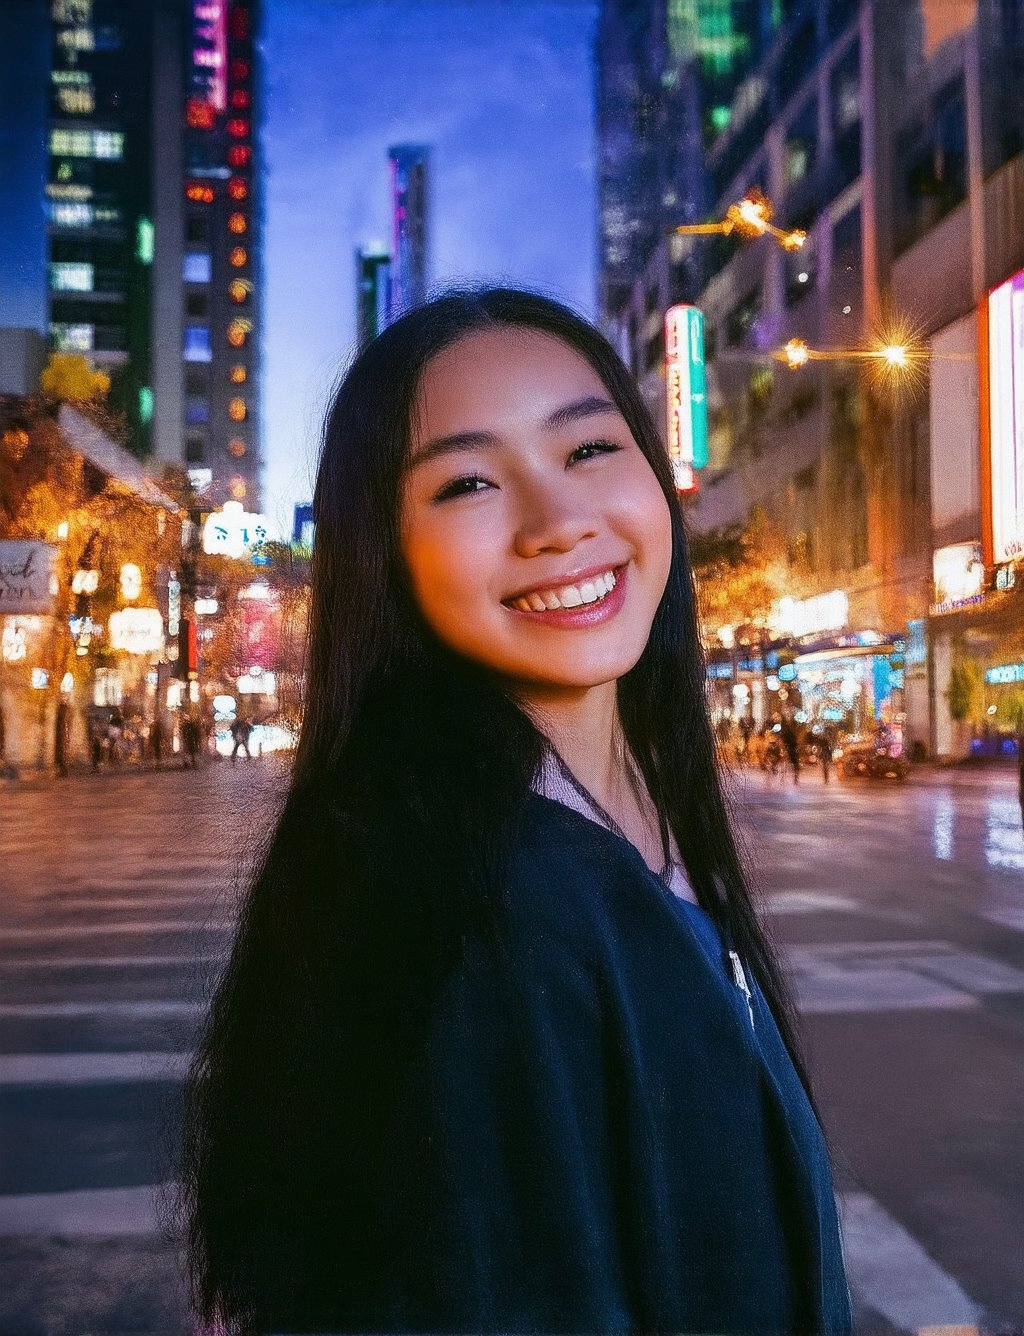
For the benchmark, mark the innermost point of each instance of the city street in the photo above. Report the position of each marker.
(900, 908)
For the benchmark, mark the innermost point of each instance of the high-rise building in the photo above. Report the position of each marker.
(409, 214)
(889, 136)
(100, 196)
(153, 220)
(373, 292)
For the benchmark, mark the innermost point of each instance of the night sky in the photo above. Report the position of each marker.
(501, 90)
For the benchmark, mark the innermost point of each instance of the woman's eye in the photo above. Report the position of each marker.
(461, 487)
(589, 449)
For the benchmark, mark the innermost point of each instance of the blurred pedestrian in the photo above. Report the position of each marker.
(156, 739)
(502, 1045)
(115, 729)
(241, 731)
(191, 737)
(825, 748)
(790, 737)
(62, 736)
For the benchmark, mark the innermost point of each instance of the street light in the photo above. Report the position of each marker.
(751, 217)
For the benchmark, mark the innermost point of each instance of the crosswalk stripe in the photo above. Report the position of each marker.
(145, 1009)
(71, 930)
(97, 1211)
(48, 962)
(893, 1275)
(130, 902)
(27, 1069)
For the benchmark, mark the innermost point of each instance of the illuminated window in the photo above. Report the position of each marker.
(238, 290)
(238, 23)
(237, 489)
(240, 99)
(71, 11)
(196, 267)
(76, 101)
(108, 217)
(238, 375)
(87, 143)
(72, 338)
(239, 69)
(236, 447)
(237, 410)
(74, 143)
(239, 155)
(238, 127)
(198, 345)
(199, 115)
(237, 188)
(239, 257)
(80, 38)
(71, 215)
(145, 404)
(197, 411)
(238, 223)
(238, 332)
(199, 192)
(71, 277)
(107, 144)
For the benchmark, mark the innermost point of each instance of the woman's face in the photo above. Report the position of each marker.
(536, 536)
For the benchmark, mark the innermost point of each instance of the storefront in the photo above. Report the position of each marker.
(852, 683)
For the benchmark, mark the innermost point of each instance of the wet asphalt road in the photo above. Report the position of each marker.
(900, 910)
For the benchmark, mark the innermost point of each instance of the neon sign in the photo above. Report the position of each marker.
(1003, 460)
(208, 83)
(686, 384)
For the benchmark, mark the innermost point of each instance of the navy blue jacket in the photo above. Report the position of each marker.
(611, 1147)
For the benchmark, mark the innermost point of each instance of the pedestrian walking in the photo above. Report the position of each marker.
(790, 737)
(156, 739)
(191, 738)
(62, 736)
(115, 728)
(501, 1045)
(825, 748)
(241, 731)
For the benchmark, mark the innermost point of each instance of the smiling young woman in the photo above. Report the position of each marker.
(502, 1045)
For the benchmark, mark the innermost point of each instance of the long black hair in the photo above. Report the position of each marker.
(412, 774)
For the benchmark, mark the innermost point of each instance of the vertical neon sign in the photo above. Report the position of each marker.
(210, 53)
(1003, 421)
(686, 387)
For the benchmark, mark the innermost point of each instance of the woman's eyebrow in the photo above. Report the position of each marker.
(590, 406)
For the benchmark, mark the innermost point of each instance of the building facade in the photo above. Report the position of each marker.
(155, 223)
(373, 292)
(890, 131)
(409, 185)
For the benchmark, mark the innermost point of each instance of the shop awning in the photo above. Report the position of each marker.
(111, 459)
(846, 652)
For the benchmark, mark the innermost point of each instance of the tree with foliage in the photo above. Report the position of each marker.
(71, 378)
(740, 571)
(964, 692)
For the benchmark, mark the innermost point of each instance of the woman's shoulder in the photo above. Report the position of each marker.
(567, 870)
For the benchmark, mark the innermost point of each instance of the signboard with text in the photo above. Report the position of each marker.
(1003, 421)
(28, 577)
(686, 387)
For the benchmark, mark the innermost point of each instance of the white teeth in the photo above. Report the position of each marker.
(568, 596)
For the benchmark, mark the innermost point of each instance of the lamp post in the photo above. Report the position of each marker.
(749, 217)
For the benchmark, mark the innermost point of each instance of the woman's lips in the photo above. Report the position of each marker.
(586, 614)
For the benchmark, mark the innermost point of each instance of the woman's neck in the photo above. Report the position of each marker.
(585, 729)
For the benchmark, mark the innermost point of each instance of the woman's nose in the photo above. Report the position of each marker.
(552, 522)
